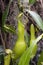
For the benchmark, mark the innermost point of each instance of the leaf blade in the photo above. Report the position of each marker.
(4, 16)
(37, 19)
(25, 58)
(9, 28)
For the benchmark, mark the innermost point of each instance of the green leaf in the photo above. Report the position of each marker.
(32, 1)
(40, 61)
(4, 16)
(9, 28)
(25, 58)
(27, 38)
(37, 19)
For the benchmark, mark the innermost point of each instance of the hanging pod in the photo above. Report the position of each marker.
(7, 57)
(20, 45)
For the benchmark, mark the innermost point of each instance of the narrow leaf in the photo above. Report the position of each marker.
(27, 38)
(4, 16)
(25, 58)
(9, 28)
(37, 19)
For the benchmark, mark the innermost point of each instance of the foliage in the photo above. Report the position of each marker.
(5, 27)
(9, 28)
(36, 18)
(4, 16)
(25, 47)
(30, 52)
